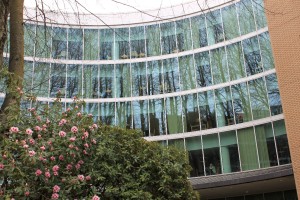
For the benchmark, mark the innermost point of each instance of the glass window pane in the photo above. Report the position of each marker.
(252, 56)
(75, 44)
(106, 44)
(259, 11)
(219, 66)
(246, 16)
(91, 44)
(58, 80)
(199, 31)
(171, 75)
(153, 40)
(259, 99)
(123, 80)
(139, 80)
(59, 43)
(231, 27)
(177, 143)
(224, 107)
(41, 79)
(107, 113)
(43, 43)
(121, 44)
(274, 94)
(235, 61)
(157, 117)
(241, 103)
(191, 113)
(203, 70)
(214, 27)
(90, 81)
(187, 72)
(137, 42)
(207, 110)
(266, 51)
(107, 84)
(74, 81)
(124, 114)
(92, 108)
(168, 38)
(229, 152)
(193, 146)
(211, 154)
(248, 153)
(282, 142)
(183, 32)
(29, 39)
(28, 72)
(174, 115)
(155, 77)
(140, 116)
(266, 145)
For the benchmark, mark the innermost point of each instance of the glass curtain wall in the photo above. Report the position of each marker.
(194, 148)
(140, 116)
(91, 43)
(174, 115)
(74, 81)
(41, 79)
(123, 80)
(211, 150)
(215, 32)
(157, 115)
(124, 114)
(153, 40)
(230, 22)
(122, 47)
(75, 42)
(59, 43)
(187, 72)
(90, 81)
(106, 44)
(57, 80)
(42, 42)
(139, 79)
(203, 69)
(183, 32)
(190, 113)
(107, 84)
(137, 42)
(199, 31)
(168, 38)
(155, 77)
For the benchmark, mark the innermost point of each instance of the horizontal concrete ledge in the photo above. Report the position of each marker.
(221, 180)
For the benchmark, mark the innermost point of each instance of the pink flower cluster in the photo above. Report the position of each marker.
(38, 172)
(62, 122)
(95, 197)
(31, 153)
(74, 129)
(62, 134)
(1, 166)
(29, 131)
(14, 129)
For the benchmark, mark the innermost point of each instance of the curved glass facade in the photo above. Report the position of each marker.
(204, 82)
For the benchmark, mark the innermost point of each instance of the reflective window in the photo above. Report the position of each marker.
(155, 77)
(203, 70)
(266, 51)
(177, 143)
(230, 21)
(168, 38)
(75, 42)
(124, 114)
(211, 154)
(183, 31)
(258, 6)
(224, 107)
(121, 44)
(194, 148)
(43, 43)
(190, 112)
(214, 27)
(59, 43)
(58, 80)
(266, 145)
(107, 113)
(229, 152)
(107, 88)
(171, 75)
(157, 117)
(247, 147)
(106, 44)
(91, 44)
(41, 79)
(241, 103)
(273, 94)
(235, 61)
(74, 81)
(246, 16)
(252, 56)
(27, 81)
(90, 81)
(137, 42)
(282, 142)
(174, 115)
(219, 66)
(199, 31)
(92, 108)
(29, 39)
(123, 80)
(207, 110)
(187, 72)
(153, 40)
(140, 116)
(139, 80)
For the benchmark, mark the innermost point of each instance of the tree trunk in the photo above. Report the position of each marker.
(4, 10)
(11, 104)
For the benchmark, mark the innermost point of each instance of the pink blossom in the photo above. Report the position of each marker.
(86, 145)
(76, 107)
(95, 197)
(62, 134)
(55, 173)
(38, 118)
(52, 158)
(4, 156)
(76, 148)
(49, 142)
(56, 189)
(88, 178)
(23, 142)
(71, 146)
(69, 167)
(95, 126)
(79, 114)
(27, 193)
(68, 109)
(31, 141)
(61, 157)
(77, 166)
(84, 152)
(90, 115)
(80, 162)
(94, 141)
(1, 166)
(55, 168)
(14, 129)
(74, 129)
(39, 136)
(25, 146)
(62, 122)
(29, 131)
(80, 177)
(72, 139)
(86, 134)
(47, 121)
(47, 174)
(38, 172)
(31, 153)
(37, 128)
(43, 148)
(55, 196)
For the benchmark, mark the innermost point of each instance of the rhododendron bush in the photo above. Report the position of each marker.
(52, 153)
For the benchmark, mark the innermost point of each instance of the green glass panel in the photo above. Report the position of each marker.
(211, 151)
(230, 21)
(139, 80)
(224, 107)
(43, 42)
(91, 44)
(174, 115)
(214, 27)
(171, 75)
(124, 114)
(106, 38)
(58, 80)
(140, 116)
(155, 77)
(168, 38)
(266, 51)
(59, 43)
(74, 81)
(122, 49)
(177, 143)
(187, 72)
(137, 42)
(246, 16)
(282, 142)
(107, 113)
(252, 56)
(153, 40)
(190, 112)
(90, 81)
(183, 31)
(203, 70)
(157, 115)
(28, 72)
(123, 80)
(107, 83)
(75, 42)
(199, 31)
(219, 66)
(259, 11)
(41, 79)
(274, 94)
(207, 110)
(29, 39)
(194, 148)
(235, 61)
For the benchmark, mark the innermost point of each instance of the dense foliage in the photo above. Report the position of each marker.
(50, 153)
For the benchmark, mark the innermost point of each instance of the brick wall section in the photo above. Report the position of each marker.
(283, 18)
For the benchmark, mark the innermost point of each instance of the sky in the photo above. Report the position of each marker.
(107, 6)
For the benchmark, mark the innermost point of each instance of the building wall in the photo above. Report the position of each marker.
(284, 27)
